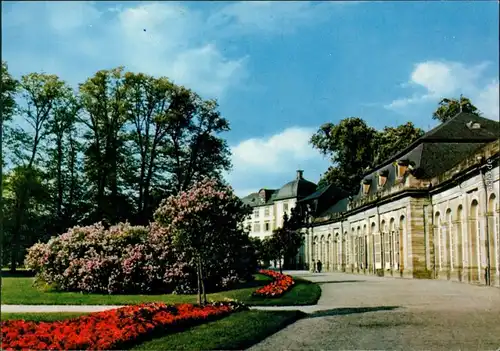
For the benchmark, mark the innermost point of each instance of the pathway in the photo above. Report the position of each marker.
(358, 312)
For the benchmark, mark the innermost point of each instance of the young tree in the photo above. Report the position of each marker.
(285, 242)
(450, 107)
(205, 222)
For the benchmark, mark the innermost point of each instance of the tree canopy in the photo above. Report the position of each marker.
(108, 150)
(449, 107)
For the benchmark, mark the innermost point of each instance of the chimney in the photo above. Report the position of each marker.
(299, 174)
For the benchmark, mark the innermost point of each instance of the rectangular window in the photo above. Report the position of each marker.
(256, 227)
(256, 213)
(267, 226)
(285, 208)
(266, 211)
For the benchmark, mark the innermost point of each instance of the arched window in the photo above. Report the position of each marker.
(438, 236)
(377, 248)
(392, 243)
(451, 240)
(460, 240)
(383, 244)
(402, 253)
(328, 252)
(475, 234)
(493, 231)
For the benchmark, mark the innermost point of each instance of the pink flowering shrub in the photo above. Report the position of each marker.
(158, 258)
(205, 223)
(122, 259)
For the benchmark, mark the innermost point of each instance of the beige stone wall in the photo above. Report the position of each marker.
(452, 233)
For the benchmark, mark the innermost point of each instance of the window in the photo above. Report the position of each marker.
(267, 226)
(285, 208)
(256, 227)
(266, 211)
(256, 213)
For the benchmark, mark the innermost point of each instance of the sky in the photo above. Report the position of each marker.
(278, 69)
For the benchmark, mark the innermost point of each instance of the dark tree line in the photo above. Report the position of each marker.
(108, 151)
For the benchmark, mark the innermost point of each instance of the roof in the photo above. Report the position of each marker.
(255, 199)
(454, 131)
(329, 191)
(298, 188)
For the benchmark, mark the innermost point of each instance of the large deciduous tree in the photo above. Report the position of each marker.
(205, 221)
(354, 147)
(8, 90)
(450, 107)
(106, 109)
(41, 93)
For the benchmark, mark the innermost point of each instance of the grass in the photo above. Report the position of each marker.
(41, 317)
(19, 291)
(236, 332)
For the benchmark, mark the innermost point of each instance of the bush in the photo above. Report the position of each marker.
(122, 259)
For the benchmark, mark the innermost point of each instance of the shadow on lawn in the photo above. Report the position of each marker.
(350, 310)
(17, 274)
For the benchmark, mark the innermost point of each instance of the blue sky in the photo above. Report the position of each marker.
(278, 69)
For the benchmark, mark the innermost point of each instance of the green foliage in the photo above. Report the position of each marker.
(205, 223)
(354, 148)
(450, 107)
(109, 152)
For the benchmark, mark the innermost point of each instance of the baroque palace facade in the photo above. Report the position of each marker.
(430, 211)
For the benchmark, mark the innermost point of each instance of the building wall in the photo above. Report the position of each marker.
(274, 217)
(446, 235)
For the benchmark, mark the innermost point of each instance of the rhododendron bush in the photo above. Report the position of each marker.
(108, 330)
(121, 259)
(156, 258)
(205, 223)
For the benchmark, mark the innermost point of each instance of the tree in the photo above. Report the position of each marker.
(205, 221)
(41, 93)
(193, 150)
(354, 148)
(391, 140)
(349, 145)
(8, 90)
(103, 97)
(450, 107)
(285, 242)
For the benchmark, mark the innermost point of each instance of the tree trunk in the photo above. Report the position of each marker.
(198, 275)
(202, 281)
(281, 268)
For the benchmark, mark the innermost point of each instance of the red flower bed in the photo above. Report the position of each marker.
(281, 284)
(110, 329)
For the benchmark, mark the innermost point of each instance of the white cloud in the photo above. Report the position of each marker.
(450, 79)
(272, 161)
(249, 17)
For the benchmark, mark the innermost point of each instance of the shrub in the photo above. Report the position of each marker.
(122, 259)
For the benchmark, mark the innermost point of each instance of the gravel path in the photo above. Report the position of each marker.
(359, 312)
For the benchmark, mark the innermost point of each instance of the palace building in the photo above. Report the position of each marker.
(430, 211)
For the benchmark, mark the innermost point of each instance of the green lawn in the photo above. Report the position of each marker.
(19, 291)
(236, 332)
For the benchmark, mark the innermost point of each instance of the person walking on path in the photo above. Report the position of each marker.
(320, 265)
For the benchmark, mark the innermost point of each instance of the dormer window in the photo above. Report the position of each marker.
(473, 125)
(366, 186)
(402, 167)
(382, 177)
